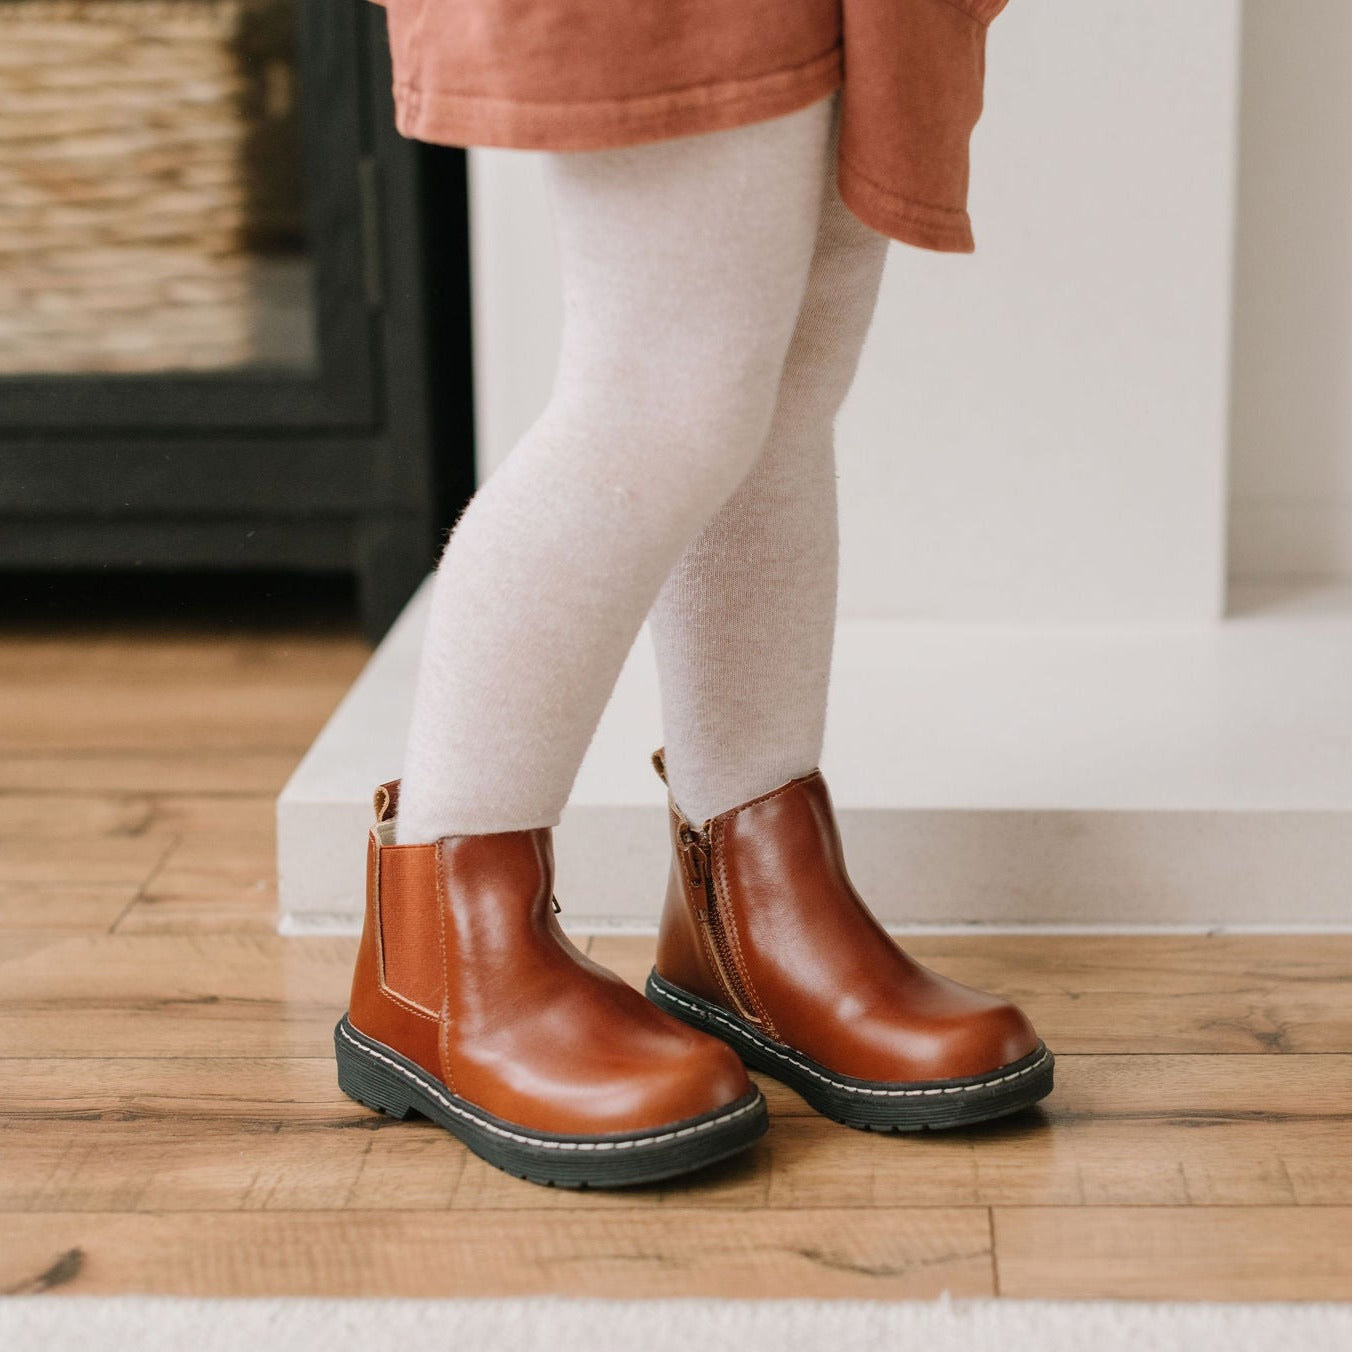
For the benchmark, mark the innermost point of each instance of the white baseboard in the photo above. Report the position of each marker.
(1163, 776)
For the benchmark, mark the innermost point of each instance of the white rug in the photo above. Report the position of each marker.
(149, 1324)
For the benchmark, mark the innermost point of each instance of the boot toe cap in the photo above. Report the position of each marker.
(705, 1077)
(723, 1075)
(1000, 1035)
(709, 1076)
(982, 1034)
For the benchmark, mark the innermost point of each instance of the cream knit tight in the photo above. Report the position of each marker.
(716, 293)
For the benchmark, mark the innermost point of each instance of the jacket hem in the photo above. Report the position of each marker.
(980, 11)
(923, 224)
(445, 118)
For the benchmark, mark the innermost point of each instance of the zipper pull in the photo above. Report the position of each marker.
(695, 858)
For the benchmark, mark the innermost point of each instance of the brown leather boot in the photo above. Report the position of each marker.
(471, 1007)
(765, 943)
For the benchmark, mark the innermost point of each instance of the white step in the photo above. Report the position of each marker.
(1123, 776)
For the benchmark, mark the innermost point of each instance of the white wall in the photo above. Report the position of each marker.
(1039, 430)
(1291, 509)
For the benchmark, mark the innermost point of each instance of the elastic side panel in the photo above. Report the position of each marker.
(410, 926)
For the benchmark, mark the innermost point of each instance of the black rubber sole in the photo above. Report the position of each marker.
(379, 1077)
(871, 1105)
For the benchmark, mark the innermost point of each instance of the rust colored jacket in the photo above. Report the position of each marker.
(590, 74)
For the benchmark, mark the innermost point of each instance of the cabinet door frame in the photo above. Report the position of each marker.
(341, 204)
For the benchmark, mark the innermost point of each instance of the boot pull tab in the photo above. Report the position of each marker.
(660, 763)
(386, 801)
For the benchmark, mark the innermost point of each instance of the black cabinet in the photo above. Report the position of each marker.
(217, 384)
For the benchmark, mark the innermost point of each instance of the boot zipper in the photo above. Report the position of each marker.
(697, 862)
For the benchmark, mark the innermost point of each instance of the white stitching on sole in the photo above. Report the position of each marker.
(796, 1062)
(536, 1141)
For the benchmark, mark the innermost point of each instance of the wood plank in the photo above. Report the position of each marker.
(263, 692)
(1137, 993)
(79, 839)
(254, 771)
(1175, 1253)
(237, 911)
(219, 875)
(63, 906)
(187, 658)
(200, 862)
(235, 987)
(175, 995)
(1172, 1130)
(19, 944)
(173, 719)
(223, 1134)
(1051, 1164)
(220, 1134)
(227, 718)
(884, 1255)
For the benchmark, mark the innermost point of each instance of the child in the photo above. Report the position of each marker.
(722, 195)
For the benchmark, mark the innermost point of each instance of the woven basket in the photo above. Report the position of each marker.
(125, 197)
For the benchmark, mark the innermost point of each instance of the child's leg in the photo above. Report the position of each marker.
(745, 624)
(684, 266)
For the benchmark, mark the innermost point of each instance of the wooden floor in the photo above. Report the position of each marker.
(171, 1122)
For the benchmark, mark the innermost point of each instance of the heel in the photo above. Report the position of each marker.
(363, 1078)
